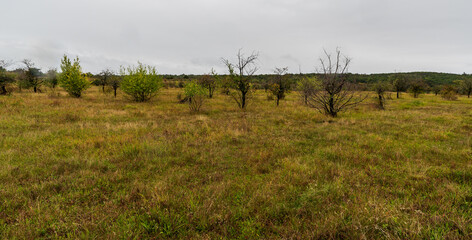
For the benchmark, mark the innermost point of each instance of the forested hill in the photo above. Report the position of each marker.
(431, 78)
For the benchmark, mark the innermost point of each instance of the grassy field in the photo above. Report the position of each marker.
(100, 167)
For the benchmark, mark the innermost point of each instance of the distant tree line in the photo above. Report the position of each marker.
(331, 90)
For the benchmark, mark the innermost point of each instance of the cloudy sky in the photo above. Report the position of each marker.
(191, 36)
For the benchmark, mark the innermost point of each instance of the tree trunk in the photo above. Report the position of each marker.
(35, 89)
(243, 100)
(398, 94)
(103, 88)
(278, 101)
(331, 109)
(381, 105)
(115, 91)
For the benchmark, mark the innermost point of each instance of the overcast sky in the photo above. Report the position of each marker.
(191, 36)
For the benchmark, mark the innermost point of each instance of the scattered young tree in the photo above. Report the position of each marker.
(280, 85)
(306, 87)
(31, 77)
(104, 78)
(115, 82)
(5, 77)
(417, 86)
(195, 95)
(380, 89)
(437, 89)
(335, 93)
(71, 78)
(140, 82)
(466, 86)
(210, 82)
(240, 77)
(399, 83)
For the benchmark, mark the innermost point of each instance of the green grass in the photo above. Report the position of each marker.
(100, 167)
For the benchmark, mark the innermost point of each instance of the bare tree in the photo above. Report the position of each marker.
(32, 76)
(335, 93)
(280, 84)
(240, 74)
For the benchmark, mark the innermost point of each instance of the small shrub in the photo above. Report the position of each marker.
(141, 82)
(449, 93)
(195, 94)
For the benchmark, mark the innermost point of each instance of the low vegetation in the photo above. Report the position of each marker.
(140, 82)
(105, 167)
(137, 165)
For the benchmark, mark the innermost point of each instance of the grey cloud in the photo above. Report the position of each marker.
(191, 36)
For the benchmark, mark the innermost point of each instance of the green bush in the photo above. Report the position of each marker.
(71, 78)
(195, 94)
(140, 82)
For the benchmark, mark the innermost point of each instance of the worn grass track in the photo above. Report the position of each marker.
(100, 167)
